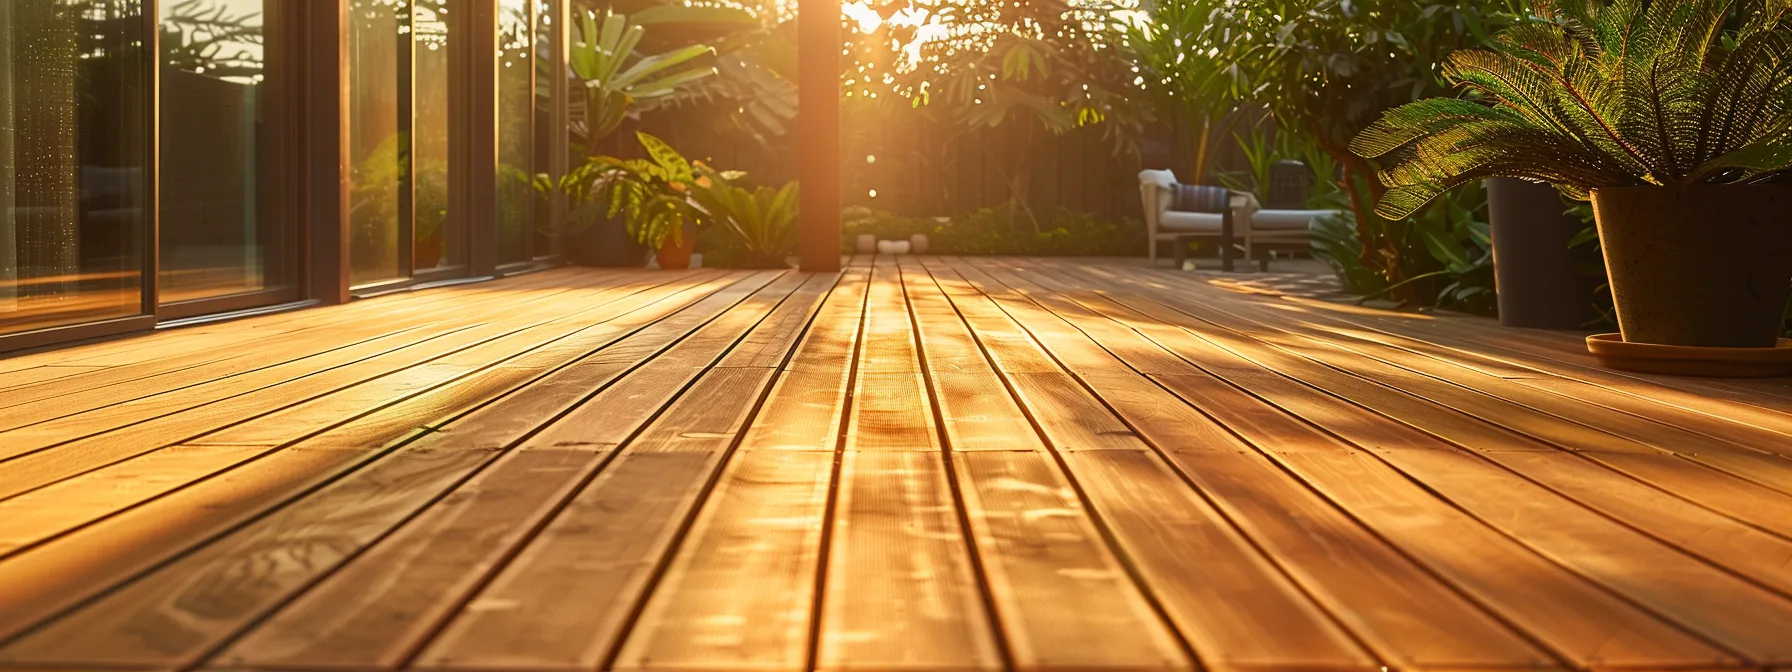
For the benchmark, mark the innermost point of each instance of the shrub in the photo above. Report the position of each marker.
(997, 231)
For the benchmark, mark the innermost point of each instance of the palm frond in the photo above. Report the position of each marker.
(1603, 93)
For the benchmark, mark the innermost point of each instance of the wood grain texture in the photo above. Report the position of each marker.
(379, 608)
(1239, 609)
(321, 400)
(1642, 638)
(122, 383)
(192, 512)
(740, 591)
(1063, 598)
(1314, 539)
(917, 463)
(603, 547)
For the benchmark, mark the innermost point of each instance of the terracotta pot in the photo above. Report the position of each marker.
(426, 252)
(1701, 265)
(677, 257)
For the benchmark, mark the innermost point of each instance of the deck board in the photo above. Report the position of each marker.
(919, 463)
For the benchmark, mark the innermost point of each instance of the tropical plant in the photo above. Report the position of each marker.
(1261, 149)
(1007, 73)
(616, 78)
(755, 46)
(653, 195)
(1335, 66)
(762, 220)
(1446, 246)
(1603, 95)
(1190, 67)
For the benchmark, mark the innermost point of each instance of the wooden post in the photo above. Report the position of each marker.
(473, 118)
(326, 151)
(818, 133)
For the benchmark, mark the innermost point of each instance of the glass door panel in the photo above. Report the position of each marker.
(222, 230)
(73, 158)
(437, 236)
(378, 42)
(516, 126)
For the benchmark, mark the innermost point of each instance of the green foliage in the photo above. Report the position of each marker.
(1044, 64)
(1334, 241)
(1445, 251)
(616, 78)
(994, 231)
(1602, 95)
(372, 190)
(1006, 73)
(1263, 149)
(762, 220)
(1192, 77)
(653, 195)
(1335, 67)
(755, 47)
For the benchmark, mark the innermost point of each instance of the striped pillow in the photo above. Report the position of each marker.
(1199, 198)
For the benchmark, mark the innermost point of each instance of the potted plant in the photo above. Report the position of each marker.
(761, 220)
(1674, 125)
(430, 210)
(617, 81)
(653, 196)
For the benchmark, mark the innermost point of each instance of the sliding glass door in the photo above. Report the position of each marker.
(225, 229)
(155, 161)
(399, 109)
(379, 146)
(516, 129)
(438, 240)
(74, 153)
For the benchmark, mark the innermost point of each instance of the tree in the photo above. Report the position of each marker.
(1335, 66)
(1010, 69)
(1192, 72)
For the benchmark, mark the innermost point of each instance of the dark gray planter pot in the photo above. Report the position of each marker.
(1539, 287)
(605, 244)
(1702, 265)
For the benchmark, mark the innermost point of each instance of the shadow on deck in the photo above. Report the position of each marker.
(920, 463)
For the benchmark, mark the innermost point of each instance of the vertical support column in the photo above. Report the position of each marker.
(325, 223)
(151, 182)
(473, 125)
(818, 133)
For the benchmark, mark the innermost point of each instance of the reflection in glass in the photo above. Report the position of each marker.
(516, 119)
(436, 243)
(72, 153)
(545, 137)
(220, 229)
(378, 31)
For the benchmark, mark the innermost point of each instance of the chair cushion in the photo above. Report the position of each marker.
(1198, 198)
(1285, 220)
(1162, 178)
(1191, 222)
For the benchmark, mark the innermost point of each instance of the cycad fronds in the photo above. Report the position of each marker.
(1602, 93)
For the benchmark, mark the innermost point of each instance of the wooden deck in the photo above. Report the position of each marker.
(934, 463)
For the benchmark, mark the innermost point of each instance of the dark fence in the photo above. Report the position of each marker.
(919, 166)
